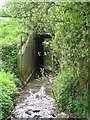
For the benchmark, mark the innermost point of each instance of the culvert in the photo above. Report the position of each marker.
(31, 55)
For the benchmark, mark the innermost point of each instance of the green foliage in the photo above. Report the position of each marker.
(68, 24)
(72, 46)
(9, 61)
(11, 29)
(9, 54)
(7, 90)
(48, 55)
(70, 97)
(4, 13)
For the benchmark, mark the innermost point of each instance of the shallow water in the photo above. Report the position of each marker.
(35, 100)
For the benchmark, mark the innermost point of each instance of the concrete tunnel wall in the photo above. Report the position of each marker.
(26, 58)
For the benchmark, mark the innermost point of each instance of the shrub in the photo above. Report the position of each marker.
(8, 89)
(9, 54)
(11, 29)
(69, 96)
(4, 14)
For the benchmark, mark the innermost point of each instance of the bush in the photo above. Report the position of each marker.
(69, 96)
(11, 34)
(11, 29)
(4, 14)
(8, 89)
(9, 54)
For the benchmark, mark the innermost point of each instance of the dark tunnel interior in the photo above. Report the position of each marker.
(40, 49)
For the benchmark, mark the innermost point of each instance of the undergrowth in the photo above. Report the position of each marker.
(70, 98)
(8, 90)
(11, 29)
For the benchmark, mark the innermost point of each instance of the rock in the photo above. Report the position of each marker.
(53, 115)
(28, 112)
(62, 115)
(35, 105)
(37, 116)
(36, 96)
(36, 110)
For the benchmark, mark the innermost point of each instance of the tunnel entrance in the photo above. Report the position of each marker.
(40, 49)
(31, 55)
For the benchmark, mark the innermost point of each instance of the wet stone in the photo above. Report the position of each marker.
(37, 116)
(28, 112)
(36, 110)
(37, 96)
(35, 105)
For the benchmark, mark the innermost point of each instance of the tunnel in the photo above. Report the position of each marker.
(31, 55)
(40, 49)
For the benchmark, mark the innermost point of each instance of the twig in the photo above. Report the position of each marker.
(8, 118)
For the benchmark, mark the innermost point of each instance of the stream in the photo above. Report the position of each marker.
(35, 101)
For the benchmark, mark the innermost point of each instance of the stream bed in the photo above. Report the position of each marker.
(35, 101)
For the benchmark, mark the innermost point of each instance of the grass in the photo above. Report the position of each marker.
(10, 29)
(8, 90)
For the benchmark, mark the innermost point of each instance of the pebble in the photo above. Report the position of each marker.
(38, 105)
(28, 112)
